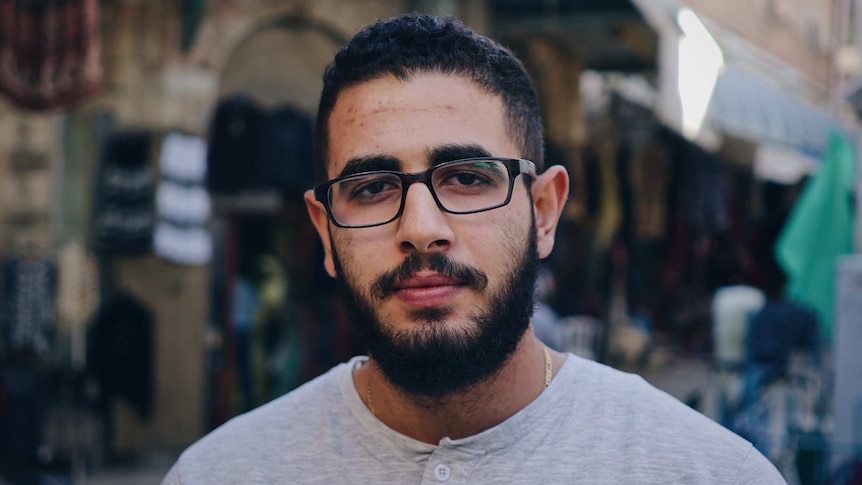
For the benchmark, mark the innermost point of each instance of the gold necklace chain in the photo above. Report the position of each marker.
(549, 366)
(368, 393)
(549, 371)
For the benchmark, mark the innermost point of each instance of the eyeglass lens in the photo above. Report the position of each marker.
(460, 187)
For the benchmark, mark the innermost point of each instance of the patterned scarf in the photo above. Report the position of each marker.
(49, 52)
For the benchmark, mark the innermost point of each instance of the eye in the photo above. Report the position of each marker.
(374, 187)
(371, 190)
(470, 175)
(467, 178)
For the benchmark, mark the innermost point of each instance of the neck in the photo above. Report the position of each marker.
(488, 403)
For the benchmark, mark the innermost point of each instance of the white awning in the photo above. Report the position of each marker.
(749, 106)
(753, 96)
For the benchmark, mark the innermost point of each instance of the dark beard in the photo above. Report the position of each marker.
(435, 361)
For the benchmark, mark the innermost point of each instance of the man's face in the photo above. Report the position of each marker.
(440, 300)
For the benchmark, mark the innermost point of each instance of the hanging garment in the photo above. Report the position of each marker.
(255, 150)
(291, 151)
(28, 317)
(26, 398)
(702, 188)
(124, 212)
(49, 52)
(77, 286)
(649, 173)
(611, 211)
(182, 202)
(183, 244)
(183, 158)
(77, 297)
(237, 155)
(120, 352)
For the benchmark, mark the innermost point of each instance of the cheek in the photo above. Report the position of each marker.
(515, 242)
(497, 243)
(361, 254)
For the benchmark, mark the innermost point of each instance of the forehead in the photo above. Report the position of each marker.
(408, 119)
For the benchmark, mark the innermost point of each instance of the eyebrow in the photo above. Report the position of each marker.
(370, 163)
(436, 156)
(447, 153)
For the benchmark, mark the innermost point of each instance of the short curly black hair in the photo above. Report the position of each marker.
(412, 43)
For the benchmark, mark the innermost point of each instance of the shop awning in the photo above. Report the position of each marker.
(754, 97)
(744, 94)
(748, 106)
(605, 35)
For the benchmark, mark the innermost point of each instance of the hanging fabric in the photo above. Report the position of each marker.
(649, 174)
(703, 190)
(49, 52)
(252, 149)
(182, 201)
(819, 230)
(191, 15)
(124, 212)
(610, 216)
(290, 152)
(237, 153)
(120, 345)
(28, 316)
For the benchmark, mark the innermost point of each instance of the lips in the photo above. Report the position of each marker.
(427, 279)
(427, 290)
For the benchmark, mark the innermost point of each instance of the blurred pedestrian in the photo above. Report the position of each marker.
(245, 305)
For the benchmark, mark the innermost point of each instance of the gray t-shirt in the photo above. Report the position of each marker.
(592, 425)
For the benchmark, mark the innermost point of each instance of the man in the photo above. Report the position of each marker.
(434, 213)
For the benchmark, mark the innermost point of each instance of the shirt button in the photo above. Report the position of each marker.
(442, 473)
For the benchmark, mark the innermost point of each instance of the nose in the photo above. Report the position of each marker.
(423, 226)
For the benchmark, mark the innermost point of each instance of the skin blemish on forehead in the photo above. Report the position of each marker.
(380, 109)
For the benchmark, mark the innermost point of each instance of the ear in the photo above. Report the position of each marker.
(550, 191)
(320, 219)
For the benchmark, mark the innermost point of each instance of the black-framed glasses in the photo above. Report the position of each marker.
(463, 186)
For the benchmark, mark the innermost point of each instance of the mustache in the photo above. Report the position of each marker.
(440, 263)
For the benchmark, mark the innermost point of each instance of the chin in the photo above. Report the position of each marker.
(440, 352)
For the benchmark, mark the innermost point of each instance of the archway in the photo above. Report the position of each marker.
(264, 240)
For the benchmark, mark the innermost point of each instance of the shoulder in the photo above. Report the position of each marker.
(267, 433)
(601, 386)
(626, 420)
(627, 402)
